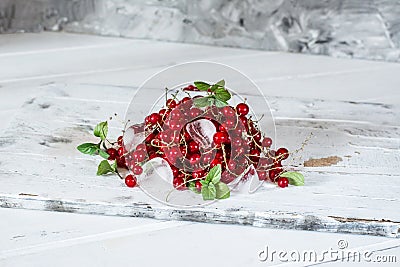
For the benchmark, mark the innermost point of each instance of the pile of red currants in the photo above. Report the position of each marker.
(174, 134)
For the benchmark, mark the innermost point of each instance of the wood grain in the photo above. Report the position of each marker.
(41, 169)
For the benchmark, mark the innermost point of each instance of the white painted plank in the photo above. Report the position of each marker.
(71, 239)
(41, 160)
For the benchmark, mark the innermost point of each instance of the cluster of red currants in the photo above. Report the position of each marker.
(237, 144)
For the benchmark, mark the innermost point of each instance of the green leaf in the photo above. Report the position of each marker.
(201, 102)
(114, 166)
(103, 154)
(214, 175)
(202, 86)
(88, 148)
(220, 103)
(222, 94)
(222, 191)
(214, 87)
(295, 178)
(101, 130)
(221, 83)
(104, 168)
(208, 192)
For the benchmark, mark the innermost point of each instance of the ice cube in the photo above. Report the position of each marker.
(202, 132)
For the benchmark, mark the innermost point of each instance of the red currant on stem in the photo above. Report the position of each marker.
(120, 151)
(282, 153)
(120, 140)
(112, 152)
(137, 170)
(262, 175)
(171, 103)
(130, 181)
(267, 142)
(221, 138)
(242, 109)
(179, 183)
(283, 182)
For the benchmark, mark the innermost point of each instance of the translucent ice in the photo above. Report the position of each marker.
(202, 132)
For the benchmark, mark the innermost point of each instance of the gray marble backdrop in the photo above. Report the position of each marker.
(367, 29)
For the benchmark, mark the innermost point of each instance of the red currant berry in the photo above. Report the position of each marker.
(137, 170)
(194, 112)
(139, 155)
(273, 174)
(121, 162)
(173, 153)
(130, 181)
(282, 153)
(193, 147)
(175, 125)
(221, 138)
(262, 175)
(112, 152)
(242, 109)
(154, 118)
(266, 142)
(176, 114)
(283, 182)
(171, 103)
(228, 111)
(185, 99)
(120, 140)
(215, 162)
(179, 183)
(198, 174)
(141, 147)
(194, 159)
(121, 151)
(198, 186)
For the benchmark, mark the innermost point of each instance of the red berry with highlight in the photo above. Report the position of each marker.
(130, 181)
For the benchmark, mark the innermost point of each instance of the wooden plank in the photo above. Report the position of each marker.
(41, 169)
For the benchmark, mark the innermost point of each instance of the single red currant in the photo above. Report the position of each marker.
(137, 170)
(221, 138)
(242, 109)
(112, 152)
(282, 153)
(171, 103)
(179, 183)
(120, 140)
(193, 147)
(228, 111)
(267, 142)
(121, 151)
(283, 182)
(262, 175)
(130, 181)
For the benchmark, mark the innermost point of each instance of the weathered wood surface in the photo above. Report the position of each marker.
(41, 169)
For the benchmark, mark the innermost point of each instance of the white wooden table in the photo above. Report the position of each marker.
(352, 107)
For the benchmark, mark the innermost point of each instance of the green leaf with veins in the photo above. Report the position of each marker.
(202, 86)
(208, 192)
(104, 168)
(101, 130)
(103, 154)
(221, 83)
(201, 102)
(222, 190)
(220, 103)
(295, 178)
(88, 148)
(222, 94)
(214, 175)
